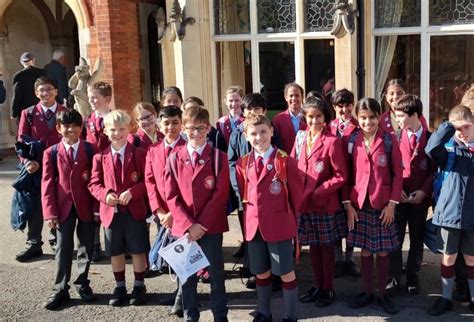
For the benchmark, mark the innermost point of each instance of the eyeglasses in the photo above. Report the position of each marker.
(43, 90)
(200, 129)
(149, 117)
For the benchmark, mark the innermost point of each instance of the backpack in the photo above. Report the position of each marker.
(300, 135)
(29, 114)
(441, 175)
(54, 154)
(163, 239)
(387, 142)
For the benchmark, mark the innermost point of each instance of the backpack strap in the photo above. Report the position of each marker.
(29, 114)
(54, 160)
(300, 135)
(136, 141)
(215, 162)
(352, 139)
(388, 144)
(245, 163)
(89, 150)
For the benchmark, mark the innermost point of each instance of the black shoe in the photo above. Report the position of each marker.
(262, 318)
(326, 298)
(413, 285)
(311, 296)
(276, 284)
(287, 319)
(29, 253)
(86, 293)
(251, 283)
(239, 253)
(462, 293)
(441, 306)
(55, 300)
(339, 269)
(96, 255)
(150, 274)
(392, 286)
(119, 296)
(138, 296)
(350, 268)
(388, 305)
(177, 308)
(361, 300)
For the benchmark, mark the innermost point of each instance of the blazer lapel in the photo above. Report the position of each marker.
(62, 158)
(318, 144)
(109, 164)
(127, 160)
(378, 140)
(203, 160)
(267, 166)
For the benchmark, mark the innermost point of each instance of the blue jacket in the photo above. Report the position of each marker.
(455, 206)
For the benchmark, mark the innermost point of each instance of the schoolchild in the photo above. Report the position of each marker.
(100, 96)
(374, 189)
(453, 211)
(233, 101)
(271, 188)
(68, 206)
(322, 161)
(147, 132)
(288, 122)
(343, 126)
(197, 189)
(171, 96)
(394, 90)
(416, 194)
(38, 122)
(117, 181)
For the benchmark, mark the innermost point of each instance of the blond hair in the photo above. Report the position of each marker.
(196, 113)
(235, 89)
(460, 113)
(116, 117)
(256, 119)
(468, 98)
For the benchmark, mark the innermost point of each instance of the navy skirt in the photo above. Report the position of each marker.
(320, 228)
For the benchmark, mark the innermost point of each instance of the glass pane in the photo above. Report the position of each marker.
(234, 67)
(397, 13)
(277, 68)
(231, 17)
(276, 16)
(319, 14)
(451, 12)
(319, 66)
(452, 70)
(397, 57)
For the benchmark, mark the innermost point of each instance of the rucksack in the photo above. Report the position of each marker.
(441, 175)
(299, 143)
(387, 142)
(29, 114)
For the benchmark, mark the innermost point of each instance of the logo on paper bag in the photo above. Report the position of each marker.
(179, 248)
(195, 257)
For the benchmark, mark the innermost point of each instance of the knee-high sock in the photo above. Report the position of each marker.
(447, 280)
(328, 266)
(367, 263)
(470, 280)
(317, 264)
(290, 294)
(382, 272)
(264, 295)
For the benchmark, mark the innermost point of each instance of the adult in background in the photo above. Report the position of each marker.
(56, 70)
(23, 85)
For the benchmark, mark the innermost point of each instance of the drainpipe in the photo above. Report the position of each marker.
(360, 72)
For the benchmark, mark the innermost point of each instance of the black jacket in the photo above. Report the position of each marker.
(24, 90)
(57, 72)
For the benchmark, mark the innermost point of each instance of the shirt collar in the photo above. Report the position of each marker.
(417, 133)
(198, 150)
(52, 108)
(121, 151)
(265, 155)
(295, 116)
(172, 145)
(75, 146)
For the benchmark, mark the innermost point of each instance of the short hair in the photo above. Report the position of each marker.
(196, 113)
(44, 80)
(410, 104)
(460, 113)
(170, 111)
(143, 106)
(235, 89)
(116, 117)
(296, 85)
(192, 101)
(468, 98)
(170, 90)
(342, 96)
(104, 88)
(256, 119)
(58, 54)
(368, 104)
(69, 116)
(320, 104)
(254, 100)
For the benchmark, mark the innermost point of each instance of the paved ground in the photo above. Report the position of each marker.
(23, 287)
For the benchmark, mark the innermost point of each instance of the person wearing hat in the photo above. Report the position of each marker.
(23, 85)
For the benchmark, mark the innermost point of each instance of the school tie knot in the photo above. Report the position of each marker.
(168, 151)
(412, 142)
(118, 170)
(259, 165)
(70, 155)
(48, 114)
(195, 159)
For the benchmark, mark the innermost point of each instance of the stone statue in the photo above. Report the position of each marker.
(79, 82)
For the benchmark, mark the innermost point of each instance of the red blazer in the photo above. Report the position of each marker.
(386, 123)
(372, 175)
(95, 134)
(351, 127)
(285, 130)
(103, 181)
(418, 169)
(223, 125)
(325, 172)
(272, 213)
(197, 195)
(38, 130)
(66, 186)
(144, 139)
(155, 174)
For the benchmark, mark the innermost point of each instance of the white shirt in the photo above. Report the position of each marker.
(75, 147)
(265, 155)
(198, 150)
(52, 108)
(417, 133)
(172, 145)
(121, 152)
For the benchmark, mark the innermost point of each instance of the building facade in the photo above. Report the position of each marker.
(204, 46)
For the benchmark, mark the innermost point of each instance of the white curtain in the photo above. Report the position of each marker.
(391, 11)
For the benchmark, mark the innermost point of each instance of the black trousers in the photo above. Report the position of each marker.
(414, 216)
(65, 250)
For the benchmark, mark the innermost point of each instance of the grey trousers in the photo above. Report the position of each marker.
(35, 227)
